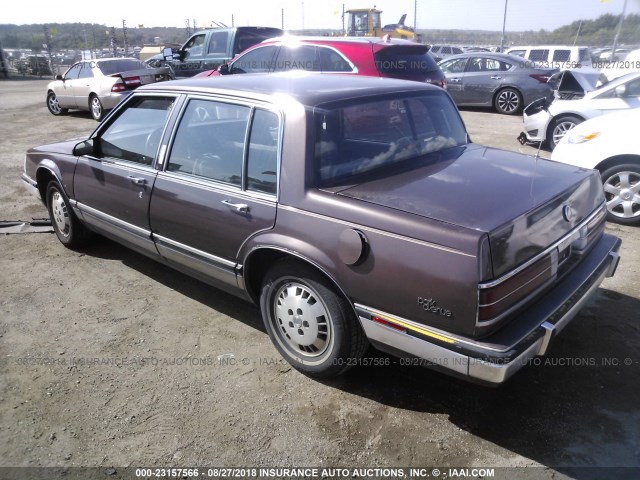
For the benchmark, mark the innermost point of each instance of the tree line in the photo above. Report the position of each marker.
(598, 32)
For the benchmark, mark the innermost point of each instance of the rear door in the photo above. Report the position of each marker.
(113, 188)
(219, 186)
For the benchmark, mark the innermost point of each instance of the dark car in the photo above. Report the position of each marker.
(353, 210)
(211, 48)
(373, 57)
(505, 82)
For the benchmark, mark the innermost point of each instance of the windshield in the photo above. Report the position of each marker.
(356, 139)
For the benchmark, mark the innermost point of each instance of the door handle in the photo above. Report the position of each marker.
(237, 207)
(137, 180)
(496, 77)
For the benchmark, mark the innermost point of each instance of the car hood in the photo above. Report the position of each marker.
(517, 199)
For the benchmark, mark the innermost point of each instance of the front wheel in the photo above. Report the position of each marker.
(622, 191)
(508, 101)
(95, 106)
(559, 128)
(54, 106)
(310, 323)
(69, 230)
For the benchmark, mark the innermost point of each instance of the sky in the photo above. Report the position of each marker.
(431, 14)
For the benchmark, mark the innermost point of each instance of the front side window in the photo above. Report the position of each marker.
(300, 57)
(382, 136)
(210, 141)
(86, 71)
(73, 72)
(259, 60)
(195, 46)
(454, 66)
(135, 134)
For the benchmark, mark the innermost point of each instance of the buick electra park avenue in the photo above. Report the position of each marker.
(352, 210)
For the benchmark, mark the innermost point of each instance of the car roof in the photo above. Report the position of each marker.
(350, 40)
(496, 55)
(309, 89)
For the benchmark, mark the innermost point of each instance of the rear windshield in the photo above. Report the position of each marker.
(401, 59)
(118, 66)
(358, 138)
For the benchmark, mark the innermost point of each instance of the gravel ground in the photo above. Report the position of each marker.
(108, 359)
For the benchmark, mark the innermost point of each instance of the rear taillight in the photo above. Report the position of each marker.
(118, 87)
(495, 298)
(542, 78)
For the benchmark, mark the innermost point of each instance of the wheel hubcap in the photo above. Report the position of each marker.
(508, 101)
(60, 213)
(95, 107)
(53, 104)
(302, 320)
(561, 130)
(623, 194)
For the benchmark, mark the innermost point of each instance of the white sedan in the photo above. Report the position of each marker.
(99, 85)
(550, 123)
(609, 143)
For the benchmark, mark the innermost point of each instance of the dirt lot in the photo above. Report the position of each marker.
(108, 359)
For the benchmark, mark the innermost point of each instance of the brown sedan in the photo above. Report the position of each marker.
(353, 210)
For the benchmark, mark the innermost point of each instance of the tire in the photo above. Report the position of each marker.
(622, 190)
(559, 127)
(95, 107)
(309, 321)
(69, 230)
(508, 101)
(53, 105)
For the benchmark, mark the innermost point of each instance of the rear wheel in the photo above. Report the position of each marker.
(622, 190)
(559, 128)
(508, 101)
(95, 106)
(69, 230)
(54, 106)
(310, 323)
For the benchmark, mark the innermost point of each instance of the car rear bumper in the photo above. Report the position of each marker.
(490, 361)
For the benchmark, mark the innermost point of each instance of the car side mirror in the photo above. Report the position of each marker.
(621, 90)
(59, 77)
(84, 148)
(224, 69)
(167, 54)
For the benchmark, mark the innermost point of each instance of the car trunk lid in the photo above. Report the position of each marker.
(523, 205)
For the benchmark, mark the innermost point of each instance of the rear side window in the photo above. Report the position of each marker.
(332, 61)
(262, 161)
(561, 55)
(584, 54)
(519, 53)
(539, 55)
(403, 59)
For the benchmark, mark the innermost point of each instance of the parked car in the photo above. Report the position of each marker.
(609, 144)
(562, 57)
(208, 49)
(375, 57)
(503, 82)
(549, 122)
(99, 85)
(440, 52)
(341, 205)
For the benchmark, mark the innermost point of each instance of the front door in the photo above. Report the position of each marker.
(113, 188)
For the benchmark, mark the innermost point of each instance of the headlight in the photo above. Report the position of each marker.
(574, 138)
